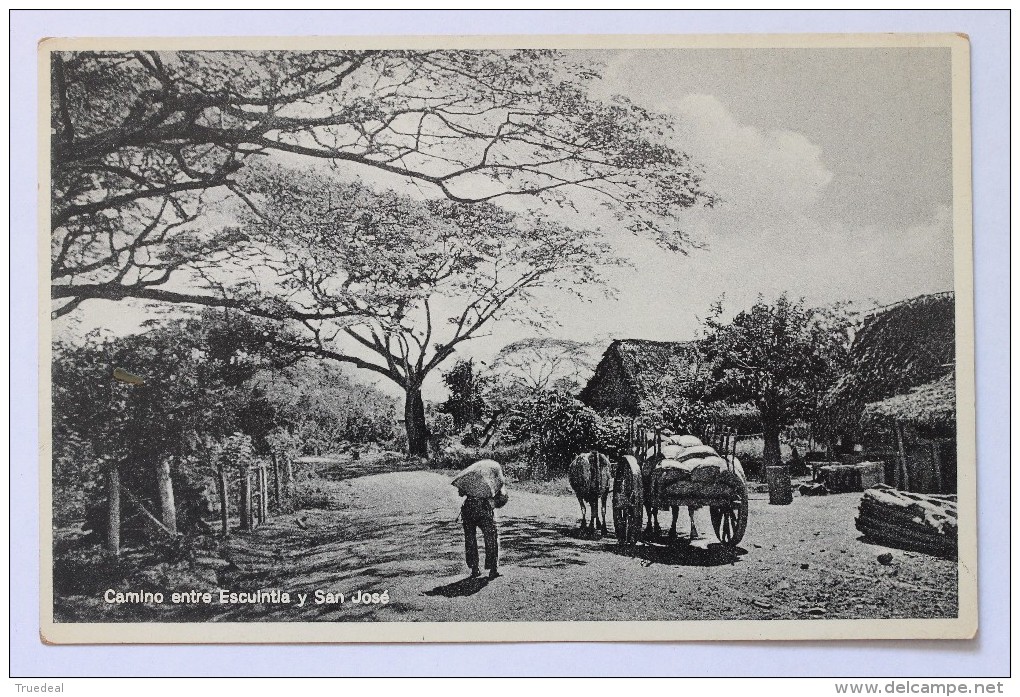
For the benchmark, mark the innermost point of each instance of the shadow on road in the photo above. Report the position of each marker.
(540, 543)
(459, 589)
(680, 554)
(362, 551)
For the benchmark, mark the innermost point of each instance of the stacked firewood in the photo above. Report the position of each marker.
(921, 522)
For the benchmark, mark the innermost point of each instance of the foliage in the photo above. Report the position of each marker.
(204, 400)
(535, 364)
(557, 428)
(466, 385)
(318, 407)
(192, 372)
(458, 456)
(780, 357)
(144, 142)
(682, 414)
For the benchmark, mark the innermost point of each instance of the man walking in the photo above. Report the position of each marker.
(482, 486)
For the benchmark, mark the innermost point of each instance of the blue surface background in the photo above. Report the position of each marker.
(988, 655)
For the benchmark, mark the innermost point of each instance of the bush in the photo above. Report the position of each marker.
(457, 456)
(309, 494)
(86, 570)
(754, 466)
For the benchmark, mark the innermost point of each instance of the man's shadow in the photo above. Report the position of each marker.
(461, 588)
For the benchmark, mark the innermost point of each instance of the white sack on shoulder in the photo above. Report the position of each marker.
(481, 480)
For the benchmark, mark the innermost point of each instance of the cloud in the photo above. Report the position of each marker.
(764, 177)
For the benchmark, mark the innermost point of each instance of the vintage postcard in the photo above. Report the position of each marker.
(486, 339)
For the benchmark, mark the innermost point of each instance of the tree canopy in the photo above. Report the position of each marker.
(392, 284)
(144, 143)
(781, 357)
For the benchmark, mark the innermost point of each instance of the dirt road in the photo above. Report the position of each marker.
(398, 533)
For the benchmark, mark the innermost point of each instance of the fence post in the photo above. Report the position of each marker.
(904, 483)
(246, 498)
(264, 491)
(221, 480)
(113, 511)
(276, 482)
(165, 486)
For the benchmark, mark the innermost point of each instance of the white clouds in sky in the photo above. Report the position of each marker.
(763, 177)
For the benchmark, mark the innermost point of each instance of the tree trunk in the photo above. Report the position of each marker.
(414, 422)
(263, 493)
(777, 475)
(113, 511)
(167, 506)
(221, 480)
(772, 455)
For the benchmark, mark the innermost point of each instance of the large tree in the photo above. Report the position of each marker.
(144, 143)
(781, 357)
(537, 364)
(394, 285)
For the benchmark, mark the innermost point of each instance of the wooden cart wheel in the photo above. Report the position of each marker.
(627, 523)
(620, 524)
(635, 521)
(730, 521)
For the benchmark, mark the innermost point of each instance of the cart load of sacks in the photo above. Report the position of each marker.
(685, 468)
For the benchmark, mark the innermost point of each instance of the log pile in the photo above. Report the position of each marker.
(921, 522)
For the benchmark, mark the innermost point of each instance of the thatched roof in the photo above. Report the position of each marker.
(933, 404)
(634, 373)
(897, 348)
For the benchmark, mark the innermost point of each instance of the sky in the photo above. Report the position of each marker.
(833, 167)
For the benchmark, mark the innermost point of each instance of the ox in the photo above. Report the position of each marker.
(590, 475)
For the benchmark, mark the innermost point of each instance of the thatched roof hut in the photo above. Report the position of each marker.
(634, 374)
(899, 394)
(932, 405)
(898, 348)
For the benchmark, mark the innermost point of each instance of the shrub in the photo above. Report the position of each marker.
(311, 494)
(459, 456)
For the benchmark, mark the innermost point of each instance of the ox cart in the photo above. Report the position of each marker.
(680, 471)
(725, 496)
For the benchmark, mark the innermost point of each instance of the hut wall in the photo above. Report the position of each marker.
(924, 474)
(931, 463)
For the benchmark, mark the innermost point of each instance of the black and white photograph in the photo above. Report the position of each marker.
(507, 339)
